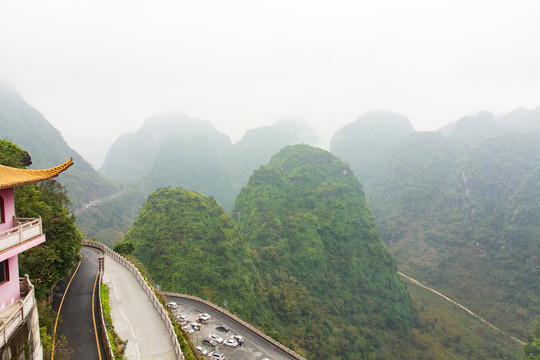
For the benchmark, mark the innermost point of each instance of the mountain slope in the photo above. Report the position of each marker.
(26, 127)
(367, 143)
(131, 156)
(189, 245)
(258, 145)
(328, 275)
(464, 221)
(192, 164)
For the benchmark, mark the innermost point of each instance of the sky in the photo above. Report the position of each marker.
(97, 69)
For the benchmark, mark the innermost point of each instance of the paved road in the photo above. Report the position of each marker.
(134, 317)
(77, 318)
(254, 348)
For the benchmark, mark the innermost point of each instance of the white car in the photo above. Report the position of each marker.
(231, 342)
(239, 338)
(216, 355)
(202, 350)
(216, 338)
(182, 319)
(204, 317)
(188, 329)
(172, 305)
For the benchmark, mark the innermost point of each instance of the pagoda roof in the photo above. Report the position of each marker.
(10, 177)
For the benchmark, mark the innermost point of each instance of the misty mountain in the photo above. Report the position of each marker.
(463, 219)
(131, 156)
(192, 164)
(198, 158)
(25, 126)
(258, 145)
(522, 120)
(367, 143)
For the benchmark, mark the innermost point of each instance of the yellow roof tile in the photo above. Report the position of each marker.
(10, 176)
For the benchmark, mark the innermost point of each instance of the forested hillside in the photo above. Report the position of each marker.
(330, 281)
(458, 210)
(25, 126)
(189, 245)
(175, 150)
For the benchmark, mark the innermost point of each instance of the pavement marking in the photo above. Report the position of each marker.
(60, 308)
(94, 316)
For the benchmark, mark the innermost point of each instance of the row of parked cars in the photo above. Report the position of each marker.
(213, 339)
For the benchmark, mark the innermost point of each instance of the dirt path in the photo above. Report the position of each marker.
(414, 281)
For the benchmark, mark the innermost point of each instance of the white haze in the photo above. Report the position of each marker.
(97, 69)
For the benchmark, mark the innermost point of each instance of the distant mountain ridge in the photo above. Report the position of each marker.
(175, 150)
(131, 156)
(26, 127)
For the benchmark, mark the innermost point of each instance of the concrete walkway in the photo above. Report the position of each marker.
(134, 317)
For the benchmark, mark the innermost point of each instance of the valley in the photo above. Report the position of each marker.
(309, 245)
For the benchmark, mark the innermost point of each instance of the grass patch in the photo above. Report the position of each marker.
(118, 345)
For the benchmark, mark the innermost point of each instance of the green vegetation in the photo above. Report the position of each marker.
(52, 260)
(46, 321)
(111, 219)
(444, 331)
(118, 345)
(188, 244)
(332, 286)
(532, 349)
(176, 151)
(191, 164)
(466, 220)
(26, 127)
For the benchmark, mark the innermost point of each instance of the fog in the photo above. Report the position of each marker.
(97, 69)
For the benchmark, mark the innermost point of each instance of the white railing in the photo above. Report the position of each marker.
(26, 230)
(19, 315)
(147, 289)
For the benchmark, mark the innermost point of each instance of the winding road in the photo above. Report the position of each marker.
(77, 309)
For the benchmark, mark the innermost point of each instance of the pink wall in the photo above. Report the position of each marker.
(9, 291)
(9, 208)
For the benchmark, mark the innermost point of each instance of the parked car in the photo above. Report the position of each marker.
(231, 342)
(195, 326)
(202, 350)
(172, 305)
(216, 337)
(238, 338)
(216, 355)
(188, 329)
(204, 318)
(210, 342)
(182, 319)
(223, 328)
